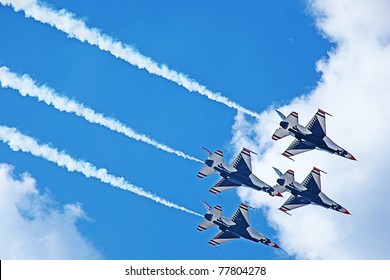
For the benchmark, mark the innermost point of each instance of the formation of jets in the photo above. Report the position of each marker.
(239, 174)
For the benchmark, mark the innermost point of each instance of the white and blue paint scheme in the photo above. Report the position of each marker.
(309, 137)
(234, 175)
(305, 193)
(234, 228)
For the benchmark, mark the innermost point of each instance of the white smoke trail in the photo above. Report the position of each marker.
(19, 142)
(76, 28)
(27, 86)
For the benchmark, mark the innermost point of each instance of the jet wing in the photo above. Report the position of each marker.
(241, 217)
(294, 202)
(317, 124)
(223, 185)
(222, 237)
(243, 162)
(313, 181)
(297, 147)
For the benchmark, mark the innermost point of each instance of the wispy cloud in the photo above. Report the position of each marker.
(76, 28)
(28, 87)
(34, 226)
(20, 142)
(355, 88)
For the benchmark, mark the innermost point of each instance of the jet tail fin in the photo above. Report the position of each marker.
(213, 160)
(207, 206)
(212, 214)
(284, 179)
(292, 118)
(286, 123)
(280, 174)
(216, 210)
(283, 117)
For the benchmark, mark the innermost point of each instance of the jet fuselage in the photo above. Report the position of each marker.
(318, 198)
(237, 230)
(317, 142)
(250, 181)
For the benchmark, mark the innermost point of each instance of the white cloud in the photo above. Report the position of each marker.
(355, 88)
(34, 226)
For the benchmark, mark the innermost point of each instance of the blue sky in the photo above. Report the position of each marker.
(258, 54)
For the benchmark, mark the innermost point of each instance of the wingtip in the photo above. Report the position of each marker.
(324, 112)
(284, 211)
(212, 191)
(200, 229)
(319, 170)
(287, 156)
(249, 152)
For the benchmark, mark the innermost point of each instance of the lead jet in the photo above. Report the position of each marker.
(309, 137)
(308, 192)
(230, 229)
(234, 175)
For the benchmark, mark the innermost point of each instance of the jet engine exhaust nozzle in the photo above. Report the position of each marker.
(209, 162)
(284, 124)
(209, 217)
(281, 181)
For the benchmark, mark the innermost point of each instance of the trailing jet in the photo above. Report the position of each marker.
(309, 137)
(308, 192)
(239, 173)
(234, 228)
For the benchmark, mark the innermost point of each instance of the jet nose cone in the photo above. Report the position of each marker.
(279, 194)
(346, 212)
(275, 245)
(352, 158)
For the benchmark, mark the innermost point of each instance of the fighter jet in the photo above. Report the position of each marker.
(239, 173)
(229, 229)
(309, 137)
(308, 192)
